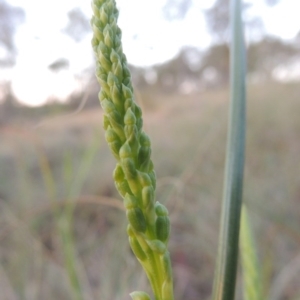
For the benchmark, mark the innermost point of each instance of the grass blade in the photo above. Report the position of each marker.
(65, 219)
(225, 276)
(251, 271)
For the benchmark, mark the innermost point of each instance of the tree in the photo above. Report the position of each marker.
(174, 72)
(268, 54)
(176, 9)
(264, 57)
(78, 25)
(216, 59)
(10, 18)
(217, 19)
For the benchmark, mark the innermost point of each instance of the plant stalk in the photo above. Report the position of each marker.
(226, 266)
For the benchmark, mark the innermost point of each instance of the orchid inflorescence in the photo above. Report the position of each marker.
(149, 224)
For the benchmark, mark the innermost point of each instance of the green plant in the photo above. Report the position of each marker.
(74, 180)
(149, 225)
(225, 276)
(252, 279)
(134, 176)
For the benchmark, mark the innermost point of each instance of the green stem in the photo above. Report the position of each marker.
(156, 273)
(156, 282)
(225, 276)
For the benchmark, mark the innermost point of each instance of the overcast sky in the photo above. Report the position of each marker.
(147, 39)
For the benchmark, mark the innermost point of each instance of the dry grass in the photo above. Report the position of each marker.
(189, 137)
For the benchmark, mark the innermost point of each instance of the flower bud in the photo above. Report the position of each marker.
(108, 30)
(104, 86)
(108, 40)
(128, 103)
(103, 16)
(97, 22)
(129, 131)
(144, 158)
(127, 93)
(108, 106)
(117, 127)
(136, 219)
(111, 110)
(137, 249)
(103, 77)
(106, 122)
(148, 205)
(95, 43)
(118, 71)
(144, 179)
(157, 246)
(139, 124)
(130, 201)
(138, 113)
(118, 174)
(126, 71)
(96, 12)
(115, 148)
(112, 79)
(130, 231)
(97, 33)
(114, 57)
(116, 97)
(119, 50)
(129, 118)
(103, 49)
(152, 176)
(129, 169)
(110, 7)
(106, 64)
(110, 135)
(147, 196)
(160, 209)
(125, 151)
(123, 187)
(145, 140)
(127, 82)
(162, 228)
(114, 26)
(132, 139)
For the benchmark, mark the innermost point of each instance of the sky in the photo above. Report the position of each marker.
(148, 38)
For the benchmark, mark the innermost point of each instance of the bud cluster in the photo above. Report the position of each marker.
(149, 224)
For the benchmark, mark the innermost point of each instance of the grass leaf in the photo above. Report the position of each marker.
(225, 276)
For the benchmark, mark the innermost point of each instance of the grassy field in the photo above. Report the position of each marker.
(56, 173)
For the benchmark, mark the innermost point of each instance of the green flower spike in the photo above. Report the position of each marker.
(149, 224)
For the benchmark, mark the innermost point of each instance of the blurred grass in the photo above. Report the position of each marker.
(190, 176)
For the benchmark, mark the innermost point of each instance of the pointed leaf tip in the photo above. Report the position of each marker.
(138, 295)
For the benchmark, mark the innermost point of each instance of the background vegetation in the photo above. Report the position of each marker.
(54, 163)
